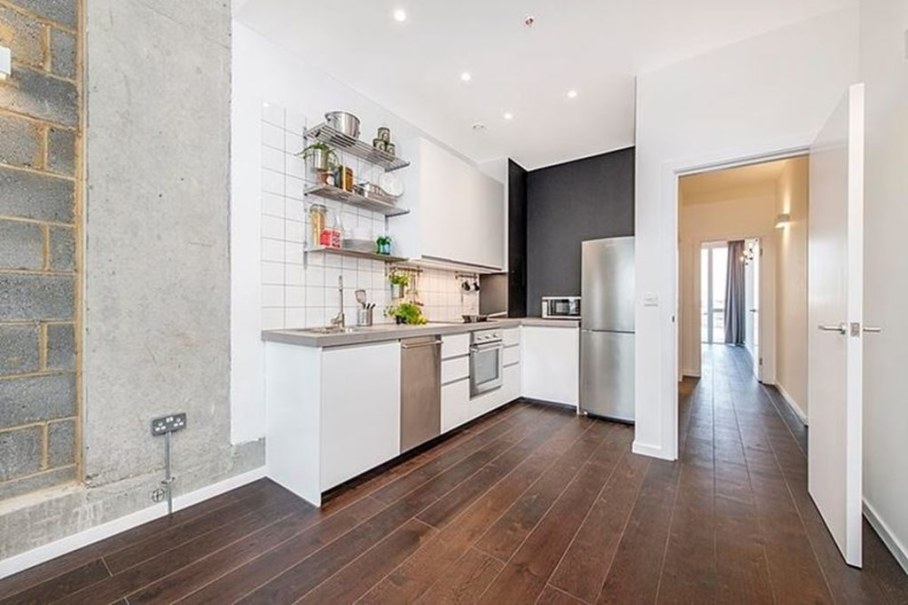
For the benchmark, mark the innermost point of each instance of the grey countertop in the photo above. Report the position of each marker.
(385, 332)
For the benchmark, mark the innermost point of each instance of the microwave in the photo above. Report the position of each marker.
(561, 307)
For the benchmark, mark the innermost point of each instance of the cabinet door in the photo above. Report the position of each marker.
(462, 210)
(489, 222)
(455, 404)
(360, 410)
(511, 387)
(550, 360)
(445, 183)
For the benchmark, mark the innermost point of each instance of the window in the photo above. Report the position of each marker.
(713, 272)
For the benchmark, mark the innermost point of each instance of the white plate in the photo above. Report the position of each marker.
(391, 185)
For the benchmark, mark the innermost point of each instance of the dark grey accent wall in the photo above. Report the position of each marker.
(517, 240)
(567, 204)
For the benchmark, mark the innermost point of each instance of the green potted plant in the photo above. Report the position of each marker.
(406, 313)
(399, 282)
(322, 157)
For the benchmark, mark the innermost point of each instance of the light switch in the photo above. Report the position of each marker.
(650, 300)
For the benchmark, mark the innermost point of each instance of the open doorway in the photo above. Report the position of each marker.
(730, 296)
(743, 273)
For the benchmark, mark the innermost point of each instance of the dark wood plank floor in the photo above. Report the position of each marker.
(529, 505)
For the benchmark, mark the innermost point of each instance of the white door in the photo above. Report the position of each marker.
(835, 288)
(754, 310)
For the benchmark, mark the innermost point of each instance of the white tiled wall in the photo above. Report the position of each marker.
(298, 292)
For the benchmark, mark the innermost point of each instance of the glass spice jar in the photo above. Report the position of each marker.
(317, 216)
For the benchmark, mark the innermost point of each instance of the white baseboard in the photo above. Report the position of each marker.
(897, 549)
(652, 451)
(46, 552)
(792, 403)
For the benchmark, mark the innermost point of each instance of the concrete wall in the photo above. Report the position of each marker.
(756, 97)
(157, 288)
(883, 68)
(791, 292)
(39, 227)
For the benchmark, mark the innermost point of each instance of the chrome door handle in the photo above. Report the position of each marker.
(872, 330)
(841, 328)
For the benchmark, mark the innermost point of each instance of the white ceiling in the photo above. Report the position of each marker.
(594, 46)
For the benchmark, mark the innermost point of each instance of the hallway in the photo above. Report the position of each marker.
(744, 476)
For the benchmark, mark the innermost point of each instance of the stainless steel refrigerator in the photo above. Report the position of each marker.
(607, 329)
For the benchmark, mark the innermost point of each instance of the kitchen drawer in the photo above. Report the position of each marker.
(455, 369)
(455, 345)
(455, 404)
(511, 337)
(511, 355)
(511, 387)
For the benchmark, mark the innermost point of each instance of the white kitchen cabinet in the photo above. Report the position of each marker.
(457, 213)
(332, 413)
(512, 384)
(455, 345)
(550, 362)
(511, 355)
(360, 417)
(455, 404)
(455, 369)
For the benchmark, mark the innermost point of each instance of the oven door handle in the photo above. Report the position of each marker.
(487, 346)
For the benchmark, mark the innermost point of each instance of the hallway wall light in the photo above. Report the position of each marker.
(782, 220)
(6, 63)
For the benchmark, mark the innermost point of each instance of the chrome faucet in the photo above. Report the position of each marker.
(338, 320)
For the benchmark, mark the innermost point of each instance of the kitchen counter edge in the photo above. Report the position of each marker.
(384, 333)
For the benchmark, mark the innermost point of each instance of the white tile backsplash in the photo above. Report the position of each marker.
(302, 292)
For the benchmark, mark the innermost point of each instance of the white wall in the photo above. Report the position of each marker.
(753, 98)
(264, 72)
(883, 66)
(747, 212)
(791, 285)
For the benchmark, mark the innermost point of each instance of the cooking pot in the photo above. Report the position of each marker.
(343, 122)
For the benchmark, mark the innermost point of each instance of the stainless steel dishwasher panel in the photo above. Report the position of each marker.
(420, 388)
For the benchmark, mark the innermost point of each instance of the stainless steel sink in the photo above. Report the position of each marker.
(325, 330)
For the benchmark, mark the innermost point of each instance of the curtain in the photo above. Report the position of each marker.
(735, 313)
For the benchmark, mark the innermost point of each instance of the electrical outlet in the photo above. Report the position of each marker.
(168, 424)
(158, 494)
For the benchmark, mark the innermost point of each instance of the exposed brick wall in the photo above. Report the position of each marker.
(39, 234)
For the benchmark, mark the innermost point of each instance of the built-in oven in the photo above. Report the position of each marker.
(561, 307)
(486, 361)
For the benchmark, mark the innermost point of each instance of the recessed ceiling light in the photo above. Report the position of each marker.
(508, 115)
(572, 94)
(465, 76)
(400, 15)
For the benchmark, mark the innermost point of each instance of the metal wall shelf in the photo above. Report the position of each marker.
(340, 195)
(355, 147)
(385, 258)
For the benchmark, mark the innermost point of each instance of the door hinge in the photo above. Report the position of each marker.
(761, 361)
